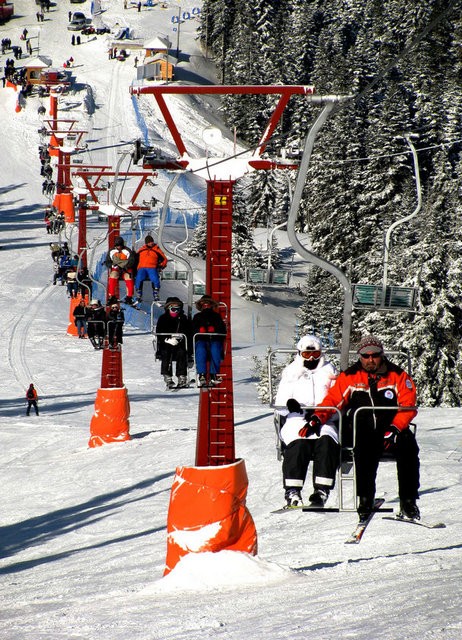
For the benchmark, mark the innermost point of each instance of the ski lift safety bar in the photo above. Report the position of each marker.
(284, 91)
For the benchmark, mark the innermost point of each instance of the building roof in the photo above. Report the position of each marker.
(157, 43)
(160, 57)
(39, 62)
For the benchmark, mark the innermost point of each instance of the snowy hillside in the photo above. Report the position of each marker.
(83, 531)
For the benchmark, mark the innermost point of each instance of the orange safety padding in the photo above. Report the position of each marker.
(53, 145)
(110, 421)
(207, 512)
(11, 85)
(71, 328)
(57, 202)
(66, 204)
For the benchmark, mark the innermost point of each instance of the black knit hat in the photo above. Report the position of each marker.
(119, 241)
(148, 239)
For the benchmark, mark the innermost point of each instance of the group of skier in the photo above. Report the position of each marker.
(123, 263)
(179, 337)
(309, 391)
(98, 323)
(310, 387)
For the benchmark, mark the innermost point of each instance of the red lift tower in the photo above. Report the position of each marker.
(215, 437)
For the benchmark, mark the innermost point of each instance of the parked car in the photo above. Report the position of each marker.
(78, 22)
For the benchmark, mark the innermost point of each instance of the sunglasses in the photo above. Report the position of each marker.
(368, 356)
(311, 354)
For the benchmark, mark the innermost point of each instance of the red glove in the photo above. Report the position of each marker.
(389, 438)
(312, 427)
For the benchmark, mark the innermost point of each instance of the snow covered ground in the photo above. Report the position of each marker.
(83, 531)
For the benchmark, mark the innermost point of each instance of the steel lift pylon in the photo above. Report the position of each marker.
(215, 434)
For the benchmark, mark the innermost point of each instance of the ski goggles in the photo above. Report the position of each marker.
(174, 309)
(311, 355)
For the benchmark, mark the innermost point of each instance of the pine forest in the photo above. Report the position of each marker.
(400, 63)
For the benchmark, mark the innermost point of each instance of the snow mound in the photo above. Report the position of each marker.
(206, 571)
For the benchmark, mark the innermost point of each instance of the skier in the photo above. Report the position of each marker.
(151, 260)
(174, 343)
(96, 323)
(375, 381)
(80, 318)
(115, 319)
(209, 333)
(305, 381)
(120, 261)
(32, 399)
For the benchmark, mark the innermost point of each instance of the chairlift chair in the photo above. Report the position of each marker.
(370, 296)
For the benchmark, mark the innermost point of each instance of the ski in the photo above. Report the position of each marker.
(420, 523)
(307, 508)
(357, 534)
(287, 508)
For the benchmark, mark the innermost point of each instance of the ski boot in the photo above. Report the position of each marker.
(319, 497)
(293, 498)
(365, 508)
(169, 382)
(182, 382)
(409, 509)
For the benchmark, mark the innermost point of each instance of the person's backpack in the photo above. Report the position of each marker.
(30, 394)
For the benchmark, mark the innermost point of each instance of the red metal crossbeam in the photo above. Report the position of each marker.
(285, 92)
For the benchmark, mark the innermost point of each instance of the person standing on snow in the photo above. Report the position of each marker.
(32, 399)
(375, 381)
(120, 260)
(305, 381)
(151, 260)
(174, 343)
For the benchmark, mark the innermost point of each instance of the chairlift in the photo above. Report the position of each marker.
(369, 296)
(173, 273)
(387, 297)
(199, 288)
(256, 275)
(346, 474)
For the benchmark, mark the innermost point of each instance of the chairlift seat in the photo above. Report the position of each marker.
(198, 289)
(256, 276)
(181, 274)
(280, 276)
(396, 298)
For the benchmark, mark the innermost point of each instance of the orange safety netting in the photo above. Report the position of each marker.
(207, 512)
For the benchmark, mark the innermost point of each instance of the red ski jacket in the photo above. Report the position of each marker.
(355, 387)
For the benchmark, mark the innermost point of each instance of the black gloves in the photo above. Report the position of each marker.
(293, 406)
(389, 437)
(312, 427)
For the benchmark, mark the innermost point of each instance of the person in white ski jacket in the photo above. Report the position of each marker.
(304, 383)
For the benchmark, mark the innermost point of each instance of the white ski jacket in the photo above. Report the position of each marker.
(309, 388)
